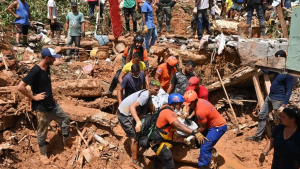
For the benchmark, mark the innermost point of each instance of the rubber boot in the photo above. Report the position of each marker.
(43, 154)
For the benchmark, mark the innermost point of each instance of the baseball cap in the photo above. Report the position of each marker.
(193, 82)
(49, 52)
(73, 4)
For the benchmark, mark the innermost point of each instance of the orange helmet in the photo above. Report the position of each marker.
(189, 96)
(172, 61)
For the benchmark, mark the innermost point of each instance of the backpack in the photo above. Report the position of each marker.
(149, 127)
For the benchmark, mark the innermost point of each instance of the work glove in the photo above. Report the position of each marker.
(138, 126)
(195, 10)
(145, 29)
(262, 158)
(200, 138)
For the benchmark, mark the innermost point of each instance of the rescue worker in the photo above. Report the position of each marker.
(164, 9)
(210, 121)
(137, 46)
(166, 124)
(201, 91)
(130, 111)
(166, 71)
(132, 82)
(181, 78)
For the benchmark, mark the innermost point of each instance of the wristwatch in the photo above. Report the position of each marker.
(194, 132)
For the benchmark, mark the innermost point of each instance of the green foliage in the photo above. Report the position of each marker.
(38, 9)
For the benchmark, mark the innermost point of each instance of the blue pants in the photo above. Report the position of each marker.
(152, 33)
(92, 5)
(213, 135)
(202, 22)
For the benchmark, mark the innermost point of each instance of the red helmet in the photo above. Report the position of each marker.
(189, 96)
(172, 61)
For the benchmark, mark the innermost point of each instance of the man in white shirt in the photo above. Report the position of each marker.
(52, 16)
(202, 6)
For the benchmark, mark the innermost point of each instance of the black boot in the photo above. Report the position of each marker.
(254, 138)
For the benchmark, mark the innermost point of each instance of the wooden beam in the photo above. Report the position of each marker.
(282, 21)
(258, 91)
(267, 83)
(271, 62)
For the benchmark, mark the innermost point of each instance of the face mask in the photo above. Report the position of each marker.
(136, 76)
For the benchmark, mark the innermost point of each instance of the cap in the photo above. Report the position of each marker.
(189, 96)
(49, 52)
(193, 82)
(73, 4)
(280, 53)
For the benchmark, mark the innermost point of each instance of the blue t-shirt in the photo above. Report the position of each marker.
(287, 4)
(23, 12)
(75, 21)
(147, 8)
(131, 84)
(286, 152)
(282, 86)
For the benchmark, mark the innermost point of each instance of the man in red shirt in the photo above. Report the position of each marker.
(209, 119)
(165, 127)
(201, 91)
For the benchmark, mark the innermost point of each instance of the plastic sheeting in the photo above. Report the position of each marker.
(160, 99)
(189, 123)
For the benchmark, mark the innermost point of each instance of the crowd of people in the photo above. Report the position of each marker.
(188, 101)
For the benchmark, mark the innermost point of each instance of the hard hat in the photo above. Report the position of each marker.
(189, 96)
(138, 38)
(172, 61)
(175, 98)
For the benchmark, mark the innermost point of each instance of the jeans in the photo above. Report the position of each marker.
(44, 118)
(261, 17)
(92, 5)
(165, 157)
(76, 40)
(151, 34)
(163, 10)
(202, 22)
(268, 106)
(127, 13)
(214, 135)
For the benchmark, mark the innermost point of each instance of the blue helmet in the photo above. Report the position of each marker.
(175, 98)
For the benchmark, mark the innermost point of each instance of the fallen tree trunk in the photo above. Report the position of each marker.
(187, 55)
(78, 88)
(73, 88)
(239, 76)
(84, 114)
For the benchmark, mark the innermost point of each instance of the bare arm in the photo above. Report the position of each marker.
(198, 2)
(147, 77)
(120, 94)
(203, 126)
(152, 107)
(22, 88)
(182, 127)
(269, 145)
(157, 76)
(11, 7)
(29, 13)
(132, 109)
(83, 27)
(170, 89)
(66, 25)
(120, 79)
(50, 13)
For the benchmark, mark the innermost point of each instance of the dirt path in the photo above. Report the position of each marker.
(229, 163)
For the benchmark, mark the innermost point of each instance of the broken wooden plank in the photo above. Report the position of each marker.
(282, 22)
(258, 91)
(84, 114)
(239, 76)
